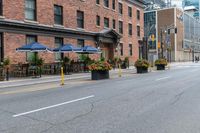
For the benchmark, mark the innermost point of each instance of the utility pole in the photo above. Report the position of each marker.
(161, 38)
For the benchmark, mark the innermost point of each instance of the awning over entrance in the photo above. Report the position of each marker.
(108, 36)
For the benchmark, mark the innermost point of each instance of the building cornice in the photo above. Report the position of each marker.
(20, 27)
(138, 3)
(46, 30)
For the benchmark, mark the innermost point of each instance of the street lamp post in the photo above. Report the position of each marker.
(140, 48)
(161, 38)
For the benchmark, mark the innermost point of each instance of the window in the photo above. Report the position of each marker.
(138, 31)
(106, 22)
(97, 2)
(138, 14)
(58, 43)
(121, 49)
(80, 43)
(1, 48)
(129, 11)
(113, 4)
(106, 3)
(30, 9)
(130, 49)
(130, 29)
(80, 19)
(30, 39)
(114, 24)
(1, 8)
(58, 15)
(120, 8)
(121, 27)
(98, 20)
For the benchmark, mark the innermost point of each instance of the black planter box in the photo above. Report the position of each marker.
(142, 70)
(160, 67)
(97, 75)
(2, 78)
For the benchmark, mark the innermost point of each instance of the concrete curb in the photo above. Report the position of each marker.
(27, 82)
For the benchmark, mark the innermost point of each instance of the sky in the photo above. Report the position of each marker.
(177, 2)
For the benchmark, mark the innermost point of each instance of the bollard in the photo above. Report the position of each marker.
(120, 71)
(62, 76)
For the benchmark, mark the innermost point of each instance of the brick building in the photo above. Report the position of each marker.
(108, 24)
(180, 35)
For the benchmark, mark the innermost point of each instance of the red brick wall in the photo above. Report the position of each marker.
(45, 15)
(11, 42)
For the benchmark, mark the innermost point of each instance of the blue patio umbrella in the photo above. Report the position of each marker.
(33, 47)
(89, 50)
(67, 48)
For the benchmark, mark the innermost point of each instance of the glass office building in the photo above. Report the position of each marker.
(193, 3)
(150, 28)
(192, 33)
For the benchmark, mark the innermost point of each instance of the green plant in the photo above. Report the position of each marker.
(117, 60)
(1, 64)
(100, 66)
(36, 60)
(102, 59)
(161, 62)
(39, 62)
(34, 57)
(126, 61)
(85, 58)
(6, 62)
(66, 60)
(142, 63)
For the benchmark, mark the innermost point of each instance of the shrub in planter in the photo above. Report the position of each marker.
(6, 66)
(125, 63)
(2, 76)
(66, 64)
(142, 66)
(100, 70)
(161, 63)
(117, 61)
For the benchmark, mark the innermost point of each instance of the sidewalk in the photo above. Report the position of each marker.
(16, 82)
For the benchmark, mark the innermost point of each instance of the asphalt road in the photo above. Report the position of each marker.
(157, 102)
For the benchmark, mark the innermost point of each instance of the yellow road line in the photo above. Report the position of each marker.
(32, 89)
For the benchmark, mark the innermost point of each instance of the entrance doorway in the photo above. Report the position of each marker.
(107, 51)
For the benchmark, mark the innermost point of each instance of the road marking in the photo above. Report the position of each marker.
(163, 78)
(30, 89)
(53, 106)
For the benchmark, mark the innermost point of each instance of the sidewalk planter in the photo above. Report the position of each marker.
(2, 74)
(98, 75)
(142, 66)
(160, 67)
(2, 78)
(142, 69)
(100, 70)
(161, 63)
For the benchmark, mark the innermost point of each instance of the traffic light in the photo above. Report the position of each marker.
(176, 30)
(168, 31)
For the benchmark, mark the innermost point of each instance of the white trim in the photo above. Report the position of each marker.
(156, 33)
(175, 38)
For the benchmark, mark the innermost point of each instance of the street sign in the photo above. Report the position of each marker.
(158, 45)
(153, 37)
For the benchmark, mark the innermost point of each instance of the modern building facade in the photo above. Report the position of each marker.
(115, 26)
(195, 3)
(175, 34)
